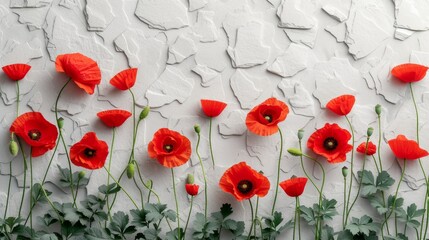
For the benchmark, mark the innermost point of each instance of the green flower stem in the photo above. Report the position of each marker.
(256, 216)
(126, 193)
(351, 166)
(135, 127)
(108, 168)
(31, 188)
(251, 225)
(44, 178)
(25, 177)
(394, 200)
(177, 204)
(150, 188)
(360, 180)
(77, 189)
(140, 191)
(298, 211)
(345, 201)
(427, 219)
(379, 143)
(8, 189)
(210, 143)
(278, 172)
(295, 217)
(189, 216)
(319, 222)
(376, 165)
(420, 162)
(204, 175)
(305, 172)
(62, 140)
(17, 98)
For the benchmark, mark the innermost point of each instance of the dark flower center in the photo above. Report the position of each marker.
(245, 186)
(168, 148)
(89, 152)
(330, 143)
(34, 134)
(269, 118)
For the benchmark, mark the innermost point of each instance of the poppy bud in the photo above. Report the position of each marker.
(300, 134)
(130, 170)
(369, 131)
(197, 128)
(192, 189)
(144, 113)
(190, 179)
(295, 151)
(60, 122)
(13, 148)
(345, 171)
(378, 109)
(81, 175)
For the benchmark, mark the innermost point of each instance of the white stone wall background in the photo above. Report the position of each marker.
(241, 52)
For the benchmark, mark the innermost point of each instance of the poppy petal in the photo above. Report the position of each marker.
(212, 108)
(16, 71)
(89, 152)
(263, 119)
(125, 79)
(114, 118)
(404, 148)
(341, 105)
(369, 150)
(294, 187)
(409, 72)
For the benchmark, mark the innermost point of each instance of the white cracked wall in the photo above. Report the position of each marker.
(241, 52)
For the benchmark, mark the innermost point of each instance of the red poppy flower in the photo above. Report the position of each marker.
(125, 79)
(192, 189)
(33, 128)
(90, 152)
(16, 71)
(341, 105)
(404, 148)
(294, 186)
(170, 148)
(331, 141)
(369, 150)
(114, 118)
(81, 69)
(243, 182)
(409, 72)
(263, 119)
(212, 108)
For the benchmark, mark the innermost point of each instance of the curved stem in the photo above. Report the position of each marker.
(376, 165)
(360, 180)
(295, 218)
(135, 127)
(177, 204)
(77, 189)
(31, 188)
(8, 189)
(351, 166)
(420, 162)
(62, 140)
(305, 172)
(140, 191)
(25, 177)
(210, 143)
(108, 168)
(345, 201)
(396, 196)
(17, 98)
(126, 193)
(204, 175)
(278, 171)
(251, 225)
(189, 216)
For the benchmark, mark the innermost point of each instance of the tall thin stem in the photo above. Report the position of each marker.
(395, 198)
(204, 175)
(256, 215)
(251, 225)
(189, 216)
(8, 189)
(360, 180)
(126, 193)
(25, 176)
(62, 140)
(278, 172)
(305, 172)
(351, 166)
(298, 210)
(108, 168)
(295, 218)
(177, 204)
(31, 188)
(210, 142)
(345, 201)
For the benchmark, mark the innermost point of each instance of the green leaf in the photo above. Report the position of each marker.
(70, 213)
(96, 234)
(364, 225)
(328, 209)
(38, 195)
(327, 233)
(202, 228)
(119, 224)
(226, 210)
(368, 183)
(156, 212)
(377, 202)
(411, 216)
(139, 218)
(152, 234)
(65, 178)
(384, 181)
(110, 189)
(308, 215)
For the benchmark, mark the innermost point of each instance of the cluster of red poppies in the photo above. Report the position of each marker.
(172, 149)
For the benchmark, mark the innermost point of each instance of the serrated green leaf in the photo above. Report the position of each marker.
(96, 234)
(364, 225)
(226, 210)
(384, 181)
(277, 218)
(152, 234)
(308, 215)
(119, 224)
(110, 189)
